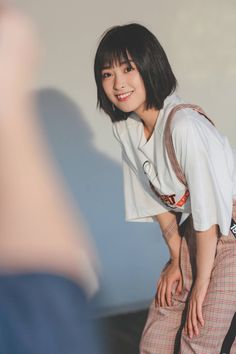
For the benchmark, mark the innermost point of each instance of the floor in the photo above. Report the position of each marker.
(122, 333)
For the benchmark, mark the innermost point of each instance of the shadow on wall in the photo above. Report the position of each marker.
(128, 251)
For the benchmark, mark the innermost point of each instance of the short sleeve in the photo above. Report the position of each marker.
(141, 204)
(207, 162)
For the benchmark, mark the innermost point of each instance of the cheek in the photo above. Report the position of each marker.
(107, 88)
(140, 84)
(142, 89)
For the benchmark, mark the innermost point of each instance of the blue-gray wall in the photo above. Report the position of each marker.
(131, 254)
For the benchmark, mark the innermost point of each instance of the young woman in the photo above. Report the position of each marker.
(180, 174)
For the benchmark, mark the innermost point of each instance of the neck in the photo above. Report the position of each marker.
(148, 117)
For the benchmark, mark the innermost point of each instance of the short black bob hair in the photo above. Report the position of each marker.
(149, 58)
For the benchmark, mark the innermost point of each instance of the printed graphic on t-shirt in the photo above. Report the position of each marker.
(169, 199)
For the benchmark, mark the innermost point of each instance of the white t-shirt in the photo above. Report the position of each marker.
(205, 156)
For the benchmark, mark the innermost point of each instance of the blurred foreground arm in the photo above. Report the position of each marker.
(39, 229)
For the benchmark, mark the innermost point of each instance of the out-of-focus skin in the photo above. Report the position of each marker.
(39, 227)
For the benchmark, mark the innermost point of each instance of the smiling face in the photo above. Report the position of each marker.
(124, 87)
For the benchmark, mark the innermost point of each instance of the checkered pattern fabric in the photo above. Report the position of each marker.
(163, 330)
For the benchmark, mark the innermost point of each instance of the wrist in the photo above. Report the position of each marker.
(174, 260)
(202, 280)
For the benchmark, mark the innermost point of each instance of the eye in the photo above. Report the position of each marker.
(105, 75)
(128, 69)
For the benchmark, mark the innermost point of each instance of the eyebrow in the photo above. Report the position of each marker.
(122, 63)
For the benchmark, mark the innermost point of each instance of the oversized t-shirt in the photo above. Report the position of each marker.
(205, 156)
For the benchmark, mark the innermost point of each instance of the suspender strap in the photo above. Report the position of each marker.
(169, 142)
(172, 156)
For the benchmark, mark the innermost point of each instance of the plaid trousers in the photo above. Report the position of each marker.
(163, 330)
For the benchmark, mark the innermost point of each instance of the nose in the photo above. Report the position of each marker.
(119, 82)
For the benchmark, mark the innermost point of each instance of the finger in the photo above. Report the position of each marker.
(156, 298)
(189, 323)
(194, 319)
(199, 314)
(156, 295)
(168, 294)
(163, 293)
(159, 294)
(180, 286)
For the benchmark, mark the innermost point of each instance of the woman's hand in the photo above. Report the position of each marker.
(169, 276)
(194, 315)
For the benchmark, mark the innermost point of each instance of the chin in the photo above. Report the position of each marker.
(126, 109)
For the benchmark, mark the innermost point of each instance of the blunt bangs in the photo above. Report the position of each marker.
(111, 56)
(137, 43)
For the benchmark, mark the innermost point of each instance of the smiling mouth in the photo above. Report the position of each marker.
(124, 96)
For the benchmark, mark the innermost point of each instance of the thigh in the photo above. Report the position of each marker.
(162, 331)
(229, 344)
(160, 335)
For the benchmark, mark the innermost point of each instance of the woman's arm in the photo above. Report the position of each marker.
(205, 158)
(206, 249)
(171, 277)
(169, 227)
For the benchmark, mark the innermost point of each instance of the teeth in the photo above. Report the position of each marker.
(124, 95)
